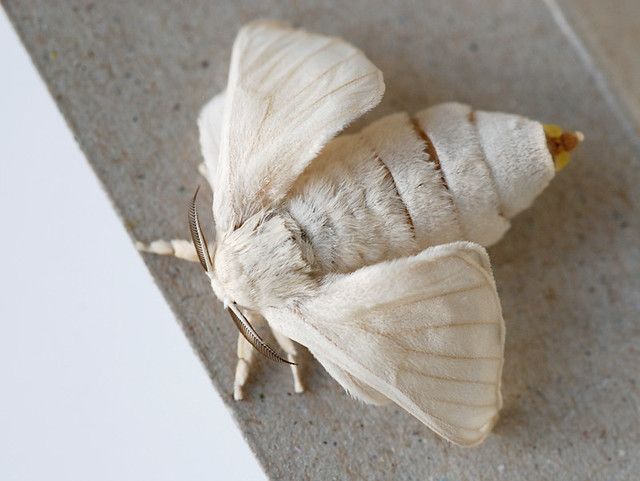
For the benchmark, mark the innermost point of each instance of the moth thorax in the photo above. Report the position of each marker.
(260, 263)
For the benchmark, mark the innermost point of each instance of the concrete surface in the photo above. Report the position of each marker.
(130, 78)
(610, 34)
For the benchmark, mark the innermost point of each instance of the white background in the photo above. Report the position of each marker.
(96, 379)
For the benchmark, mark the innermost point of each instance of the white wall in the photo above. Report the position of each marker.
(96, 379)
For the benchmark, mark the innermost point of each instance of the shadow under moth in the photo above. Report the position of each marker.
(367, 249)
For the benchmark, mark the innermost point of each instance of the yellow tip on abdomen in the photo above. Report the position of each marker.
(561, 143)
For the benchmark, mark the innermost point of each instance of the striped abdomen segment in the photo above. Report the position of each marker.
(462, 173)
(405, 183)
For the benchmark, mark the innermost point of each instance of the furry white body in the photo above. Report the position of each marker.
(379, 194)
(331, 240)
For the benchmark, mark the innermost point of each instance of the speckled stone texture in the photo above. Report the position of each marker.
(130, 78)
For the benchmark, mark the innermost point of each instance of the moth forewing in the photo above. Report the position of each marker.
(280, 109)
(425, 332)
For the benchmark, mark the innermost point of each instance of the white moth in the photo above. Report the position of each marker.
(365, 248)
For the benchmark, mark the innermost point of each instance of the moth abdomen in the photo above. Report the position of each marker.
(405, 183)
(495, 164)
(348, 206)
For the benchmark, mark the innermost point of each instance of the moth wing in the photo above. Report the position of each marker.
(352, 385)
(425, 332)
(288, 93)
(210, 129)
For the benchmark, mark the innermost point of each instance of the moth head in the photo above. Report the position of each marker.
(202, 248)
(241, 276)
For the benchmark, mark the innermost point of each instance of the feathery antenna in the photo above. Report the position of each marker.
(241, 322)
(250, 334)
(199, 240)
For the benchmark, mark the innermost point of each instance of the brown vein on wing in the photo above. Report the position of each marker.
(420, 297)
(441, 355)
(322, 74)
(301, 62)
(460, 403)
(332, 92)
(403, 347)
(275, 61)
(263, 51)
(465, 324)
(444, 422)
(410, 370)
(454, 356)
(255, 142)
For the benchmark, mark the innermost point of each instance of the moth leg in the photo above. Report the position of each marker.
(245, 357)
(292, 356)
(180, 248)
